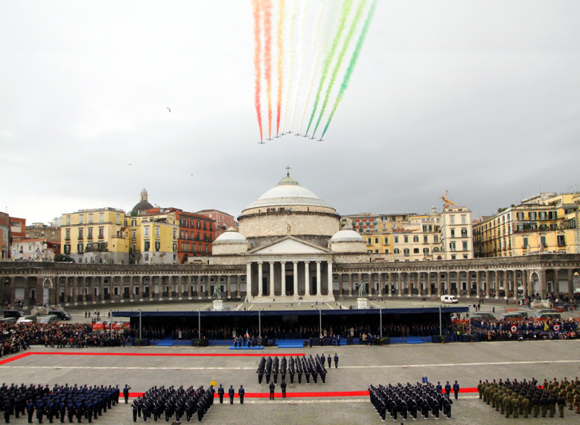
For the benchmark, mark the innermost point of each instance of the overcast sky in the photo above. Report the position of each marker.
(481, 98)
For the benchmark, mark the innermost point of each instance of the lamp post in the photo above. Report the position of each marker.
(140, 333)
(320, 315)
(198, 324)
(381, 321)
(440, 329)
(111, 322)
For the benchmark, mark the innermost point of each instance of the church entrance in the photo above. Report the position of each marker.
(290, 285)
(265, 289)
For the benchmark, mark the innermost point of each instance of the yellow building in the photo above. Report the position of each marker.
(95, 236)
(108, 235)
(544, 223)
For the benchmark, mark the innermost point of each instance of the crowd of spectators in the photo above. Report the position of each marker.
(14, 337)
(520, 329)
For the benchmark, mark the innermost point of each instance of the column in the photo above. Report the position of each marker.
(448, 283)
(350, 284)
(381, 284)
(239, 283)
(496, 273)
(487, 283)
(543, 284)
(439, 289)
(524, 274)
(229, 285)
(330, 279)
(272, 289)
(295, 278)
(209, 284)
(248, 281)
(506, 284)
(75, 289)
(66, 290)
(389, 284)
(189, 281)
(478, 283)
(260, 286)
(318, 280)
(429, 290)
(400, 284)
(468, 284)
(570, 282)
(307, 278)
(131, 288)
(283, 282)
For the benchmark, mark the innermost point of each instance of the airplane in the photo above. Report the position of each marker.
(261, 142)
(321, 140)
(305, 135)
(312, 137)
(270, 139)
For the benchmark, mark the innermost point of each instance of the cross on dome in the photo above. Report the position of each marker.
(288, 170)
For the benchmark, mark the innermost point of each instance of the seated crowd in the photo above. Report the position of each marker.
(521, 329)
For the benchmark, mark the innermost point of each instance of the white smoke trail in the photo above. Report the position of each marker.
(289, 73)
(319, 42)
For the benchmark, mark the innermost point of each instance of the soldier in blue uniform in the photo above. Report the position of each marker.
(241, 393)
(232, 392)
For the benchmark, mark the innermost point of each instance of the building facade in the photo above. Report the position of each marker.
(544, 223)
(223, 221)
(4, 236)
(456, 233)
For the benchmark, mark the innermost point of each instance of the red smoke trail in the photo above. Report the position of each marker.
(267, 4)
(280, 44)
(257, 62)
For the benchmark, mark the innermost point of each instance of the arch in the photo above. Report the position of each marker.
(534, 283)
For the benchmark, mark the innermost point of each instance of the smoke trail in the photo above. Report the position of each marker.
(340, 59)
(316, 61)
(302, 30)
(290, 62)
(352, 63)
(346, 6)
(267, 15)
(280, 45)
(257, 61)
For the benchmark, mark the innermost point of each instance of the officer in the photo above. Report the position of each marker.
(299, 369)
(323, 358)
(291, 370)
(561, 404)
(456, 390)
(447, 389)
(283, 386)
(231, 392)
(272, 388)
(241, 393)
(335, 361)
(221, 393)
(135, 409)
(329, 361)
(126, 393)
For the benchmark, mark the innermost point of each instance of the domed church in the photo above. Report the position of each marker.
(288, 239)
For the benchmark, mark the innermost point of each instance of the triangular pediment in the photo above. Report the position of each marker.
(289, 245)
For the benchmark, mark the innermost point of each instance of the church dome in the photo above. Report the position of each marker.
(231, 236)
(143, 204)
(347, 234)
(288, 193)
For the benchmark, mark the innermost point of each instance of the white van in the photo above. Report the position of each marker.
(449, 299)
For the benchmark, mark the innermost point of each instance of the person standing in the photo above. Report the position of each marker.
(272, 388)
(283, 386)
(242, 393)
(456, 390)
(221, 393)
(335, 361)
(329, 361)
(447, 389)
(126, 393)
(231, 392)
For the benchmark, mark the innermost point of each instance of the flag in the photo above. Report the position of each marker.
(546, 327)
(247, 336)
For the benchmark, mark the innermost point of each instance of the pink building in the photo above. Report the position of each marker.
(223, 221)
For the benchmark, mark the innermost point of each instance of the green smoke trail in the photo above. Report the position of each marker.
(346, 6)
(352, 63)
(340, 59)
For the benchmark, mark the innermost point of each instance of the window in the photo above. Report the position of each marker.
(80, 233)
(205, 225)
(133, 235)
(542, 215)
(210, 225)
(451, 246)
(561, 240)
(453, 257)
(452, 219)
(386, 241)
(175, 233)
(134, 247)
(67, 248)
(464, 232)
(157, 246)
(80, 248)
(525, 242)
(425, 239)
(415, 238)
(452, 233)
(147, 244)
(406, 239)
(532, 215)
(415, 250)
(386, 251)
(376, 240)
(464, 219)
(465, 246)
(425, 251)
(206, 249)
(396, 239)
(118, 218)
(90, 218)
(376, 251)
(369, 241)
(81, 218)
(90, 233)
(543, 242)
(520, 215)
(435, 239)
(101, 232)
(146, 231)
(101, 218)
(156, 231)
(68, 220)
(406, 252)
(198, 224)
(396, 251)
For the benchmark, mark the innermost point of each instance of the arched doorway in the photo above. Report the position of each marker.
(46, 287)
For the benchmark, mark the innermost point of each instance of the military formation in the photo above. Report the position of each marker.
(171, 402)
(295, 367)
(410, 401)
(524, 398)
(60, 403)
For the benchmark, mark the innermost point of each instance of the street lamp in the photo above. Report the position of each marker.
(140, 336)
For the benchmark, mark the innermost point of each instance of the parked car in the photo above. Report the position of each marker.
(449, 299)
(514, 315)
(482, 316)
(61, 314)
(13, 313)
